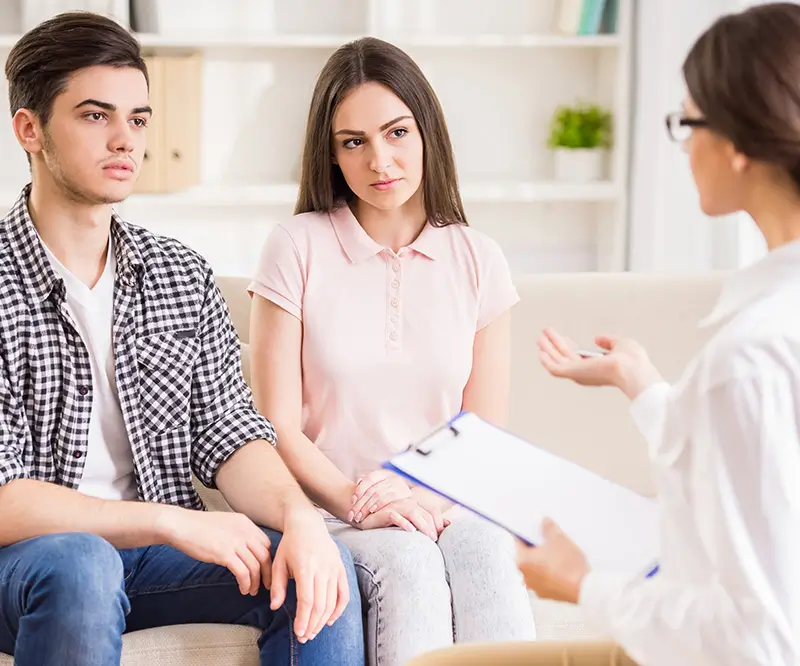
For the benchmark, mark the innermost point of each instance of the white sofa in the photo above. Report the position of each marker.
(590, 426)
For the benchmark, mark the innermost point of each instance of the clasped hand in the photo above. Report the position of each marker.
(383, 499)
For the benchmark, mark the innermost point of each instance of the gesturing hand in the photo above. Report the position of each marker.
(626, 365)
(375, 491)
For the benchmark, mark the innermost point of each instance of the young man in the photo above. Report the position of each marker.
(120, 377)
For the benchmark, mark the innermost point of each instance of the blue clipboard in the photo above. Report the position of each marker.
(445, 483)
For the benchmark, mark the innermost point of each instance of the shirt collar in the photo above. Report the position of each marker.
(37, 274)
(359, 245)
(779, 268)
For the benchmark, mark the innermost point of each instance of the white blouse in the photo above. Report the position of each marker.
(725, 448)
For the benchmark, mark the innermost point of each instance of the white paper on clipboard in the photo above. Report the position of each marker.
(515, 484)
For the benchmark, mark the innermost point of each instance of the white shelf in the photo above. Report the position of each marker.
(334, 41)
(279, 195)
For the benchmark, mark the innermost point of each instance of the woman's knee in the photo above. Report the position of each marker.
(471, 541)
(408, 561)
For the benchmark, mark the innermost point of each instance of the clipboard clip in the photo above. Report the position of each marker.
(425, 446)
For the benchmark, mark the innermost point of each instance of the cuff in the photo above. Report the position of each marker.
(280, 300)
(223, 438)
(648, 410)
(10, 470)
(598, 595)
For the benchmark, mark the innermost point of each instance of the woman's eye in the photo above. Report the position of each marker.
(352, 143)
(399, 133)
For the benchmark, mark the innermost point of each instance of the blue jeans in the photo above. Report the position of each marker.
(68, 598)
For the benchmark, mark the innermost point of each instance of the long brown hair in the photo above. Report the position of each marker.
(322, 184)
(743, 73)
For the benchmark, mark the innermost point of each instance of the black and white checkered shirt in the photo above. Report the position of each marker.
(184, 401)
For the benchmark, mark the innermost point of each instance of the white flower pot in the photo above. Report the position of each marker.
(579, 165)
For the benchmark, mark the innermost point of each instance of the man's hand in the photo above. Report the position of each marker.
(228, 539)
(406, 514)
(375, 491)
(556, 569)
(308, 554)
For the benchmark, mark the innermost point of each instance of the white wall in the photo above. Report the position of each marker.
(668, 231)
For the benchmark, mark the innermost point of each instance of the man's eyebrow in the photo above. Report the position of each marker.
(383, 127)
(95, 102)
(107, 106)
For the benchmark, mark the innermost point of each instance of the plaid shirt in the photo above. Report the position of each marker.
(184, 401)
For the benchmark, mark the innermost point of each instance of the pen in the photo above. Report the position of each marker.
(585, 353)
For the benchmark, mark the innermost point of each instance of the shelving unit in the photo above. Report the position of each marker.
(498, 74)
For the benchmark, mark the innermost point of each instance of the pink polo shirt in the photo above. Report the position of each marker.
(387, 337)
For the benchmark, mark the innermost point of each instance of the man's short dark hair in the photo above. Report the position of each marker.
(40, 64)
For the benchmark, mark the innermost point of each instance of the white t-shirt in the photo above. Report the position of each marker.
(108, 467)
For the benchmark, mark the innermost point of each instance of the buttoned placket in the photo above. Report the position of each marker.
(394, 295)
(78, 404)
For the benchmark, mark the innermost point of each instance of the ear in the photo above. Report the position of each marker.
(739, 163)
(28, 131)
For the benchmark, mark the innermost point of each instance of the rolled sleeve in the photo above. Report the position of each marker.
(11, 466)
(279, 276)
(11, 441)
(224, 417)
(496, 292)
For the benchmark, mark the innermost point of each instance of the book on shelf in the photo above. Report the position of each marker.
(587, 17)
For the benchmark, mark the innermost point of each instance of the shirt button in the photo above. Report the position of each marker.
(395, 319)
(83, 390)
(395, 302)
(395, 284)
(396, 268)
(78, 454)
(393, 336)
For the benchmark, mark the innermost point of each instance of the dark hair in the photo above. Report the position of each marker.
(42, 61)
(322, 184)
(743, 73)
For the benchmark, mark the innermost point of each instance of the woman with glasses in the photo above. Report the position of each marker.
(725, 440)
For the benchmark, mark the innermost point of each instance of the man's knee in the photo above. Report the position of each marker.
(78, 569)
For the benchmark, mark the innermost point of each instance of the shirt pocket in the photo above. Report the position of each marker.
(166, 369)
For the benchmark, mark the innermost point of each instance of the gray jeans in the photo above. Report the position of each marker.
(419, 595)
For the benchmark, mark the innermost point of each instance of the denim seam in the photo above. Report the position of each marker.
(378, 611)
(176, 588)
(292, 639)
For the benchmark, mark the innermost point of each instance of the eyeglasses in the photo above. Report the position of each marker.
(680, 128)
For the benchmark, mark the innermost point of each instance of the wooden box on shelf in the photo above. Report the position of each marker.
(172, 158)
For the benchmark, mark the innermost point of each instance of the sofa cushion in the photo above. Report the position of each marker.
(187, 645)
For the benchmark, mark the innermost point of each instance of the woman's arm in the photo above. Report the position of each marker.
(276, 377)
(488, 388)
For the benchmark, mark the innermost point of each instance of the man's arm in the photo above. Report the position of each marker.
(32, 508)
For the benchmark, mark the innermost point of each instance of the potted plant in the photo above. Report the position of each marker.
(580, 134)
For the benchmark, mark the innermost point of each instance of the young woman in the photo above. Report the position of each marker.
(724, 440)
(377, 315)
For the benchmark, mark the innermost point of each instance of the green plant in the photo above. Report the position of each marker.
(580, 126)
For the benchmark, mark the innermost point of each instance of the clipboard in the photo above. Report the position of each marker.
(515, 484)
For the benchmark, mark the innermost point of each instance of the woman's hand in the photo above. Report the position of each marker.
(556, 568)
(626, 365)
(374, 492)
(406, 514)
